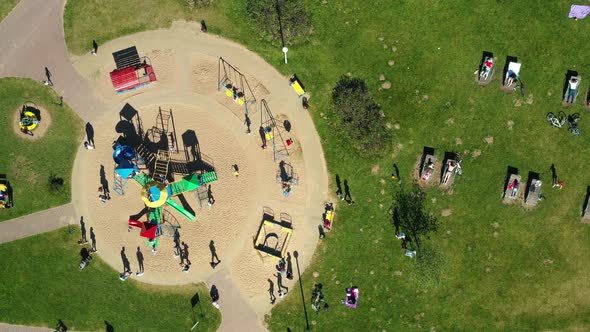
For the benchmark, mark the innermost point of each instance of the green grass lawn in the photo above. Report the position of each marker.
(29, 163)
(41, 283)
(497, 267)
(6, 6)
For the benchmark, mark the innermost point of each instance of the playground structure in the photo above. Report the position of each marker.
(154, 152)
(571, 87)
(273, 236)
(286, 177)
(29, 118)
(532, 193)
(6, 201)
(272, 132)
(328, 216)
(452, 165)
(427, 164)
(234, 83)
(487, 64)
(132, 71)
(511, 73)
(512, 185)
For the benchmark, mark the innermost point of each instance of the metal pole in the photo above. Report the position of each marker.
(296, 254)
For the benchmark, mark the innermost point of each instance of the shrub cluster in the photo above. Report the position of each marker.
(358, 117)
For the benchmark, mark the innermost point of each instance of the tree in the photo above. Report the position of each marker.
(295, 19)
(410, 215)
(359, 117)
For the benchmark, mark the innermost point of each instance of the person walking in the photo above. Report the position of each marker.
(139, 261)
(93, 239)
(83, 230)
(94, 47)
(236, 170)
(48, 76)
(214, 258)
(271, 291)
(280, 285)
(247, 122)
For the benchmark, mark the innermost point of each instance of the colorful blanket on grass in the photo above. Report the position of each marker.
(579, 11)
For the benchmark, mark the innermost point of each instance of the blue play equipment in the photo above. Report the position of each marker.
(125, 166)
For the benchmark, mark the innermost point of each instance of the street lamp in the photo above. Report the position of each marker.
(296, 254)
(279, 4)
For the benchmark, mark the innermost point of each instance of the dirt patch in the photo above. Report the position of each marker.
(386, 85)
(391, 62)
(388, 125)
(458, 141)
(529, 99)
(375, 169)
(517, 102)
(382, 77)
(510, 124)
(396, 126)
(41, 128)
(476, 153)
(446, 212)
(450, 121)
(489, 140)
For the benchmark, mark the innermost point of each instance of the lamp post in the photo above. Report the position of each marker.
(279, 4)
(296, 254)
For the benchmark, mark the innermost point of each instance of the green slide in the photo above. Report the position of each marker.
(180, 209)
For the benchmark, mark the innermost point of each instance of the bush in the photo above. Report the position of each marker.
(55, 183)
(358, 116)
(295, 19)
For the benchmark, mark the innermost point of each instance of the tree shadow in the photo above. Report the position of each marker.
(586, 206)
(109, 327)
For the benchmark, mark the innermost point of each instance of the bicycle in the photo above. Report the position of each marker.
(557, 121)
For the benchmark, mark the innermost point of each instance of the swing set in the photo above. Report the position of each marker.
(272, 131)
(234, 83)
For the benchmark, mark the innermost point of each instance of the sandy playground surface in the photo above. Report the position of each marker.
(185, 62)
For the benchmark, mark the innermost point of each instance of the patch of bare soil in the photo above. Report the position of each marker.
(39, 131)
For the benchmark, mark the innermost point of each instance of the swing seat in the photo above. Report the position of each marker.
(229, 93)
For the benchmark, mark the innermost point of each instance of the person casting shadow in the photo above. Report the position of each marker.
(103, 180)
(396, 171)
(280, 285)
(48, 76)
(271, 291)
(214, 293)
(83, 230)
(262, 137)
(214, 256)
(247, 122)
(139, 261)
(90, 133)
(126, 266)
(93, 239)
(108, 327)
(347, 196)
(60, 326)
(185, 253)
(339, 187)
(289, 267)
(553, 174)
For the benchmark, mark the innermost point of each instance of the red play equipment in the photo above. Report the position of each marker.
(132, 71)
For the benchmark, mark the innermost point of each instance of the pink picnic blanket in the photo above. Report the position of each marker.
(579, 11)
